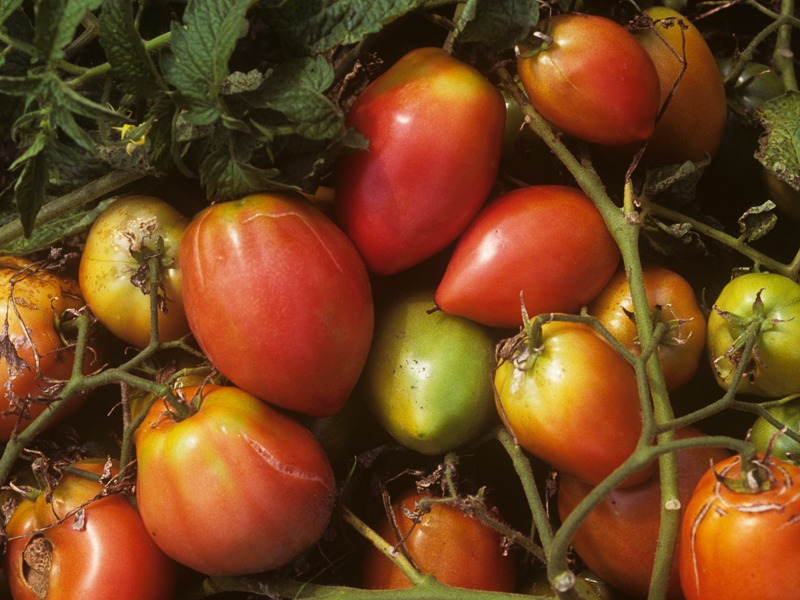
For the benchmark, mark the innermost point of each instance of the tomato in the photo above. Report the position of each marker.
(773, 369)
(587, 584)
(35, 300)
(572, 402)
(279, 300)
(594, 81)
(737, 544)
(547, 241)
(233, 489)
(672, 300)
(756, 84)
(84, 543)
(693, 123)
(764, 435)
(129, 227)
(428, 378)
(457, 549)
(618, 539)
(786, 197)
(435, 131)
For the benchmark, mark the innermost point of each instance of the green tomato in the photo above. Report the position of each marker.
(763, 432)
(428, 377)
(773, 368)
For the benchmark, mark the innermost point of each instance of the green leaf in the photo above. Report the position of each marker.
(501, 24)
(20, 86)
(65, 96)
(56, 22)
(7, 8)
(779, 145)
(29, 190)
(226, 176)
(315, 26)
(125, 50)
(202, 47)
(757, 221)
(675, 185)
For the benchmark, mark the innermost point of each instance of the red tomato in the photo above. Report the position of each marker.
(594, 81)
(693, 123)
(447, 543)
(435, 131)
(574, 403)
(235, 488)
(39, 300)
(548, 242)
(672, 300)
(78, 544)
(741, 544)
(279, 300)
(618, 539)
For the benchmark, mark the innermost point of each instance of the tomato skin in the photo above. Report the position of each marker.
(763, 433)
(409, 195)
(777, 368)
(455, 548)
(694, 122)
(724, 533)
(671, 298)
(578, 389)
(618, 539)
(235, 452)
(41, 298)
(110, 557)
(428, 379)
(296, 300)
(594, 82)
(492, 260)
(107, 266)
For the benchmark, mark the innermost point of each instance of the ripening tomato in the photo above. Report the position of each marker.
(764, 435)
(693, 123)
(548, 242)
(128, 230)
(672, 301)
(454, 547)
(572, 401)
(594, 81)
(77, 541)
(730, 530)
(279, 300)
(770, 303)
(435, 131)
(236, 487)
(618, 539)
(34, 301)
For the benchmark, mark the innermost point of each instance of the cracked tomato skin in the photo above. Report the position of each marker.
(279, 300)
(435, 128)
(109, 557)
(594, 81)
(727, 537)
(234, 489)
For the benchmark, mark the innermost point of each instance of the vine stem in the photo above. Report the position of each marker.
(783, 57)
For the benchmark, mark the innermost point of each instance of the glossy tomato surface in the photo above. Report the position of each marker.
(80, 543)
(236, 488)
(279, 300)
(593, 81)
(447, 543)
(546, 242)
(435, 131)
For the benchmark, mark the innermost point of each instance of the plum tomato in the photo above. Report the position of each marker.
(454, 547)
(435, 131)
(733, 523)
(279, 300)
(236, 487)
(619, 537)
(593, 81)
(767, 305)
(112, 272)
(570, 384)
(548, 242)
(428, 377)
(78, 540)
(672, 302)
(693, 123)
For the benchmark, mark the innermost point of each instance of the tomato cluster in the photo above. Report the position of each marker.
(287, 363)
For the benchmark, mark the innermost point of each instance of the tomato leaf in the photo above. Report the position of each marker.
(779, 145)
(56, 22)
(202, 46)
(30, 187)
(226, 171)
(501, 24)
(757, 221)
(314, 26)
(7, 8)
(675, 185)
